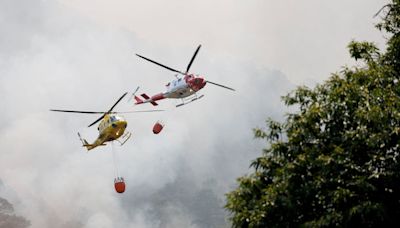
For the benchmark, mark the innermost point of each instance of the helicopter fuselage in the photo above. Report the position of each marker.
(177, 89)
(110, 128)
(184, 87)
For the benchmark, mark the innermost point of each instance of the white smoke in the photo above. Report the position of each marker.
(53, 57)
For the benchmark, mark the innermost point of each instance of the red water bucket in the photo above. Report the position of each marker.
(157, 128)
(119, 185)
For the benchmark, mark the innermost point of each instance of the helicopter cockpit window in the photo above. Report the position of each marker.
(113, 119)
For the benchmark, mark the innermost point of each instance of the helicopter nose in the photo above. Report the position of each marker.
(202, 82)
(123, 123)
(198, 81)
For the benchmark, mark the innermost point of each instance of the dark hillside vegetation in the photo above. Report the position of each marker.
(336, 161)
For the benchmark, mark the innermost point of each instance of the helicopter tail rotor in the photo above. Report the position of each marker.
(133, 94)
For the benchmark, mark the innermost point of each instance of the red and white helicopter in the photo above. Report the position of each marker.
(181, 88)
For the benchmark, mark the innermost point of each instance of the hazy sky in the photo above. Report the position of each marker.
(80, 55)
(304, 39)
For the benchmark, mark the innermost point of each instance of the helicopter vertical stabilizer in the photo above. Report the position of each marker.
(138, 100)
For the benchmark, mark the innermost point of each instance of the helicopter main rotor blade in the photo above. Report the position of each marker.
(90, 112)
(101, 117)
(109, 111)
(161, 65)
(73, 111)
(226, 87)
(194, 56)
(112, 107)
(138, 111)
(84, 112)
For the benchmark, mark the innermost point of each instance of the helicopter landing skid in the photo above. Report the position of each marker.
(125, 138)
(189, 100)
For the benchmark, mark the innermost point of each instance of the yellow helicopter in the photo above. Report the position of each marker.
(112, 126)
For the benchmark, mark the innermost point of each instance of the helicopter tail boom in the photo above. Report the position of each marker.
(88, 145)
(151, 100)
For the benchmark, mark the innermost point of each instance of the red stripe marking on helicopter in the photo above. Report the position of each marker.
(145, 96)
(157, 97)
(138, 100)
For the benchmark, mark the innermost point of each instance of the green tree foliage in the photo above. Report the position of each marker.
(335, 162)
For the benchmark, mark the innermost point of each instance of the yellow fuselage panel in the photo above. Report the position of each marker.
(114, 130)
(111, 127)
